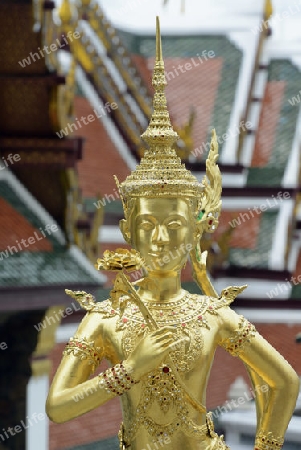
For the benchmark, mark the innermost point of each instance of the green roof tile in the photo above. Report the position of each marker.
(191, 46)
(265, 176)
(259, 257)
(192, 287)
(42, 269)
(296, 292)
(106, 444)
(15, 201)
(114, 207)
(272, 173)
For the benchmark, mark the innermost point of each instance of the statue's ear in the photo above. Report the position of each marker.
(123, 225)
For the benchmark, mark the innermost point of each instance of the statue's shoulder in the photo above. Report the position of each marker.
(228, 295)
(88, 302)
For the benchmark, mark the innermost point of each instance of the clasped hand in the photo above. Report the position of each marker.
(151, 351)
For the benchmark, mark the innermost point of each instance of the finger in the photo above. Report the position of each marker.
(163, 330)
(173, 345)
(166, 341)
(167, 335)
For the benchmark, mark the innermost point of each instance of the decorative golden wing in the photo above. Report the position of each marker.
(86, 301)
(212, 181)
(230, 293)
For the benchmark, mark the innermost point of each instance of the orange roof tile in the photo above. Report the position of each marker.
(101, 160)
(14, 228)
(269, 117)
(196, 87)
(244, 235)
(145, 71)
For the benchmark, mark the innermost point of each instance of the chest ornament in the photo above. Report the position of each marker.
(188, 315)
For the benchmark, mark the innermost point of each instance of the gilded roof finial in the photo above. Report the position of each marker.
(160, 130)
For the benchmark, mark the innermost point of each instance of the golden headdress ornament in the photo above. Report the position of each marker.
(160, 172)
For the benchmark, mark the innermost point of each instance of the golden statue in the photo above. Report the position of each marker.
(159, 339)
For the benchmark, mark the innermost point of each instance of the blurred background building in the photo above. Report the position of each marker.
(75, 96)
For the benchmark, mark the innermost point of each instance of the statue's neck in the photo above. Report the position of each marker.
(163, 287)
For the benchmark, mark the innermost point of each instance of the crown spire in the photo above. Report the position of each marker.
(160, 172)
(159, 56)
(160, 130)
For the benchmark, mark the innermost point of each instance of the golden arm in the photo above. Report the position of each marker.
(198, 260)
(72, 393)
(260, 357)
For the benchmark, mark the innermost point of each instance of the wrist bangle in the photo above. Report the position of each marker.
(116, 379)
(266, 441)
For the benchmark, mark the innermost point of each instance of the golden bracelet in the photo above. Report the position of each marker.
(267, 442)
(85, 350)
(116, 379)
(241, 337)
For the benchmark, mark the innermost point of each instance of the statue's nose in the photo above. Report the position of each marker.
(160, 235)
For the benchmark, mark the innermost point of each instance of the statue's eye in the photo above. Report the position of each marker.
(174, 224)
(146, 225)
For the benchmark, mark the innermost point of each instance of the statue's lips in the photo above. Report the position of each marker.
(159, 254)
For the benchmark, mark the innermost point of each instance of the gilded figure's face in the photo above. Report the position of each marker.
(161, 229)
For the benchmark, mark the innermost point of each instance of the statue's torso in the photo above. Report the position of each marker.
(157, 407)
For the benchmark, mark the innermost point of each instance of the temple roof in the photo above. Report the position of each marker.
(277, 125)
(33, 250)
(206, 85)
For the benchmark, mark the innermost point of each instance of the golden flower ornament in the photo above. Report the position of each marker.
(120, 259)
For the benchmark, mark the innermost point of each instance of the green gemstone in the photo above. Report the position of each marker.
(200, 214)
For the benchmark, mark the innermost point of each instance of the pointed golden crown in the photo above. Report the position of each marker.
(160, 172)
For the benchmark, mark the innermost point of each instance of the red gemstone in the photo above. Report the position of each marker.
(200, 317)
(165, 369)
(210, 222)
(124, 320)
